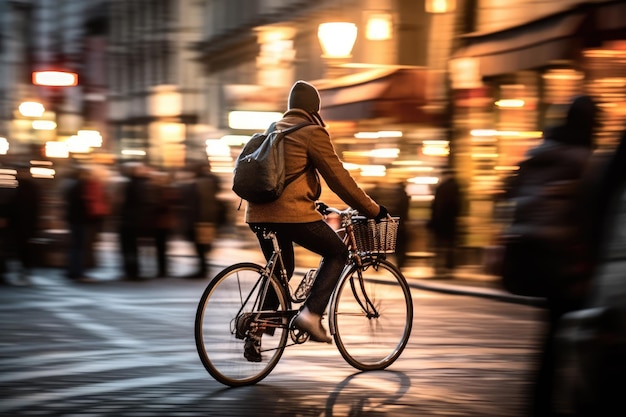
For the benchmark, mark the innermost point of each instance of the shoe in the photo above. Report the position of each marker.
(252, 348)
(312, 324)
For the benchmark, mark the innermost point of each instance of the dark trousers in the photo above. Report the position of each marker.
(161, 237)
(78, 246)
(129, 242)
(318, 237)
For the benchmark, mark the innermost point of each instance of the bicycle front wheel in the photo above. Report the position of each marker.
(372, 315)
(229, 312)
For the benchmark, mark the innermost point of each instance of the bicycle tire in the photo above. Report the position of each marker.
(221, 310)
(374, 341)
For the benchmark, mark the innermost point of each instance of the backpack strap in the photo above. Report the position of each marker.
(306, 167)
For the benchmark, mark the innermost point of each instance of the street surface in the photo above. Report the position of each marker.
(121, 348)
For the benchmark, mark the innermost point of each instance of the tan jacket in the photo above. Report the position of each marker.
(311, 145)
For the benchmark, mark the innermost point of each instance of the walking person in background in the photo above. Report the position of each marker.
(202, 212)
(444, 222)
(86, 207)
(167, 201)
(137, 217)
(547, 245)
(24, 216)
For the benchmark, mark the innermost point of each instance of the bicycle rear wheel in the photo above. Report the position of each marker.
(228, 312)
(372, 315)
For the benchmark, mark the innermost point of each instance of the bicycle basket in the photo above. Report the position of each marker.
(372, 237)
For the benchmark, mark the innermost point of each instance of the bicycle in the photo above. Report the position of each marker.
(370, 311)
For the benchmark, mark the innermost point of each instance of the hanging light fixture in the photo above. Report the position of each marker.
(337, 39)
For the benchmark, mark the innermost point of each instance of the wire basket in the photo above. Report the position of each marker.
(372, 237)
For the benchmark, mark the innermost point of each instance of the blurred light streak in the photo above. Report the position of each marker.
(423, 180)
(133, 152)
(44, 125)
(379, 134)
(510, 103)
(55, 78)
(41, 172)
(252, 120)
(373, 170)
(235, 140)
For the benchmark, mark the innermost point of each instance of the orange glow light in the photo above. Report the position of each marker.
(55, 78)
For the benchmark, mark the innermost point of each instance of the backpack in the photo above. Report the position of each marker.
(259, 175)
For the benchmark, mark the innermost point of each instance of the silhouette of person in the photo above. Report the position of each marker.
(443, 223)
(544, 219)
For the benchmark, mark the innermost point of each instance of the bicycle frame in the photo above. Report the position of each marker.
(354, 258)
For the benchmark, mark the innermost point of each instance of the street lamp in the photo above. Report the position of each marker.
(337, 39)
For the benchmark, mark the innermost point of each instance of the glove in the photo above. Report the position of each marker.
(382, 214)
(321, 207)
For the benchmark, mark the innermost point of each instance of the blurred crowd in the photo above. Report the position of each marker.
(141, 205)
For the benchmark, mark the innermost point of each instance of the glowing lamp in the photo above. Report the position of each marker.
(337, 39)
(55, 78)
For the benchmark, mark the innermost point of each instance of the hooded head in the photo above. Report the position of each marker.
(305, 96)
(580, 121)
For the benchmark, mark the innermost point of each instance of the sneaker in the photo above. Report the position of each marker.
(252, 348)
(312, 324)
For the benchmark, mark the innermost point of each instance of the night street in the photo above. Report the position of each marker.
(117, 348)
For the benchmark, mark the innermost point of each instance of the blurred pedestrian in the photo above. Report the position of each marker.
(86, 207)
(167, 201)
(444, 222)
(203, 212)
(7, 191)
(591, 343)
(548, 250)
(137, 217)
(24, 216)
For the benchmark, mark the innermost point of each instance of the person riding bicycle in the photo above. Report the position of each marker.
(294, 215)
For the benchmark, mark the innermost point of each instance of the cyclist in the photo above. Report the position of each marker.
(294, 215)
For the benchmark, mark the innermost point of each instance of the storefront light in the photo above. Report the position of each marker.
(440, 6)
(31, 109)
(378, 27)
(56, 149)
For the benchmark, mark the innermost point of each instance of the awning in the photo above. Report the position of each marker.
(397, 94)
(539, 42)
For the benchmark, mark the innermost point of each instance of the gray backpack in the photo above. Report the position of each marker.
(259, 175)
